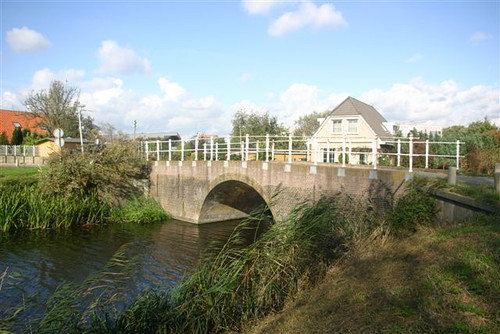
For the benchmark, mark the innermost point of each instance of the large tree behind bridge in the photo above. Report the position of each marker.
(307, 125)
(255, 124)
(58, 108)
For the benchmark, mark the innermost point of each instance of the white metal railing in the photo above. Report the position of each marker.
(294, 149)
(19, 150)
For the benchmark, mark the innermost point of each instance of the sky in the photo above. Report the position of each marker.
(188, 66)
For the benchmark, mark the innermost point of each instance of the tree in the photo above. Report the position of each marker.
(307, 125)
(3, 138)
(255, 124)
(58, 108)
(17, 137)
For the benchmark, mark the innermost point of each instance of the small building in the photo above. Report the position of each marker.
(353, 126)
(47, 146)
(11, 119)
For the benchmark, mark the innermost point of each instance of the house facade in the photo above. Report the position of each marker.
(353, 130)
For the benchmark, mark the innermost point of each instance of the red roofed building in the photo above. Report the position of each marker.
(10, 119)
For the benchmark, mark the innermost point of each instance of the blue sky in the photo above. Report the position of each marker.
(189, 66)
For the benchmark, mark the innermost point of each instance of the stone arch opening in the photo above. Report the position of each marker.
(230, 200)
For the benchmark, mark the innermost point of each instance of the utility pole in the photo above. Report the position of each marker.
(135, 127)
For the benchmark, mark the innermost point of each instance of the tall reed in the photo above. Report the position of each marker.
(26, 207)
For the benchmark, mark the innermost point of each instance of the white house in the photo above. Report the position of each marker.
(353, 127)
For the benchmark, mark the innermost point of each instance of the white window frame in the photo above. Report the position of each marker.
(336, 121)
(349, 125)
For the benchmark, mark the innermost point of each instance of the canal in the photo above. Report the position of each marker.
(113, 263)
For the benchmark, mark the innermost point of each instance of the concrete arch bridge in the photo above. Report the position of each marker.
(210, 191)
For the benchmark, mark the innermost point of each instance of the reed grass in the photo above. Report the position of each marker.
(26, 207)
(143, 209)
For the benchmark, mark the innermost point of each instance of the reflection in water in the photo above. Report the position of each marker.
(122, 259)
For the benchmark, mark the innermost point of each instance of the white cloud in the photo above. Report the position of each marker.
(445, 103)
(26, 40)
(414, 58)
(259, 6)
(42, 78)
(118, 60)
(172, 90)
(480, 36)
(308, 14)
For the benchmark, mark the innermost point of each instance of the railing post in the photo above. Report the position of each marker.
(399, 152)
(228, 148)
(34, 150)
(15, 150)
(211, 148)
(426, 153)
(247, 146)
(147, 150)
(350, 152)
(328, 151)
(157, 150)
(196, 143)
(343, 151)
(374, 152)
(458, 154)
(272, 151)
(315, 151)
(182, 149)
(290, 148)
(170, 150)
(257, 151)
(411, 154)
(267, 147)
(24, 150)
(216, 151)
(204, 151)
(308, 148)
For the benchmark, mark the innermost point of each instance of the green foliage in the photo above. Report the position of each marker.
(28, 208)
(482, 145)
(17, 137)
(31, 138)
(140, 210)
(307, 125)
(113, 172)
(255, 124)
(58, 108)
(3, 139)
(415, 207)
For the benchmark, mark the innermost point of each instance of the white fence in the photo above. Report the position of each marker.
(19, 150)
(401, 152)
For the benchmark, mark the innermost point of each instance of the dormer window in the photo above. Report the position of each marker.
(337, 126)
(352, 126)
(16, 124)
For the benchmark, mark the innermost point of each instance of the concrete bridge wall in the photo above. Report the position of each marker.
(208, 191)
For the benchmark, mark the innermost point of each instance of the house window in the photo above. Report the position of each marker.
(352, 126)
(337, 126)
(16, 124)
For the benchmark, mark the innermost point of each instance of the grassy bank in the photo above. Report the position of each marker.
(439, 280)
(24, 205)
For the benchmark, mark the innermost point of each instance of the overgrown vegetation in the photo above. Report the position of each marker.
(236, 285)
(78, 189)
(439, 280)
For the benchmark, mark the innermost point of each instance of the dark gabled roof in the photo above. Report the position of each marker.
(353, 107)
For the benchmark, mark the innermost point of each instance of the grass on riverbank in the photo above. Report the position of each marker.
(23, 205)
(439, 280)
(25, 175)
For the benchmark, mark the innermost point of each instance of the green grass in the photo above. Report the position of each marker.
(14, 176)
(139, 210)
